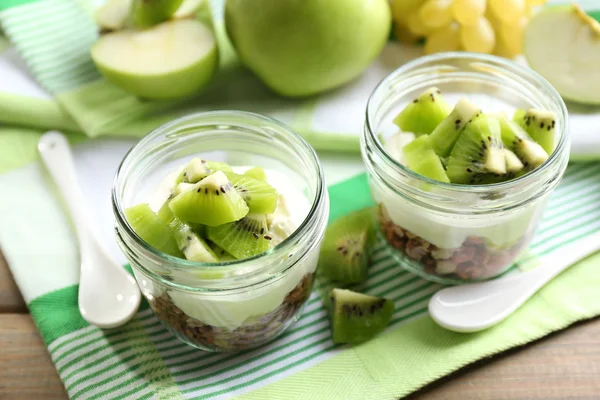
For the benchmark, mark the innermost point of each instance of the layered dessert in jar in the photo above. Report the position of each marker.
(457, 204)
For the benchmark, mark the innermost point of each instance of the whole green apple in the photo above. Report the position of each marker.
(303, 47)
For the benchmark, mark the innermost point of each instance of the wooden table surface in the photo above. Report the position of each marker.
(563, 366)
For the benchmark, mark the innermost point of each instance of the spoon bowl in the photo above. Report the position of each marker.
(108, 295)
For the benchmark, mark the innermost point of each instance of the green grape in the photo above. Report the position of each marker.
(508, 11)
(478, 37)
(415, 24)
(436, 13)
(401, 9)
(444, 39)
(536, 2)
(467, 12)
(512, 35)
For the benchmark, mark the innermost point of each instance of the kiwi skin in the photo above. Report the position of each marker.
(357, 317)
(346, 249)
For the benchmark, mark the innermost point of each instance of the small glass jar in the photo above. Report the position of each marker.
(451, 233)
(238, 304)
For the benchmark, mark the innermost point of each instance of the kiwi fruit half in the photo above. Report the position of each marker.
(521, 144)
(421, 158)
(152, 229)
(540, 125)
(244, 238)
(424, 113)
(345, 251)
(444, 135)
(260, 196)
(477, 151)
(257, 173)
(212, 201)
(357, 317)
(198, 169)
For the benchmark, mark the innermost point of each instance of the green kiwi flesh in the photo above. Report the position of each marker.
(152, 229)
(257, 173)
(524, 147)
(540, 125)
(244, 238)
(260, 196)
(212, 201)
(221, 254)
(477, 151)
(145, 13)
(193, 247)
(357, 317)
(421, 158)
(424, 113)
(345, 251)
(197, 169)
(445, 135)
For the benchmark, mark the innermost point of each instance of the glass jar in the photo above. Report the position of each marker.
(237, 304)
(451, 233)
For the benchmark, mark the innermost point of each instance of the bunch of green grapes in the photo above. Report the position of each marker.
(483, 26)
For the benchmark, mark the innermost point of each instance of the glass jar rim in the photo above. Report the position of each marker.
(461, 188)
(302, 146)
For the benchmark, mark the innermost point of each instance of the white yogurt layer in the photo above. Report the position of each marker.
(450, 231)
(229, 311)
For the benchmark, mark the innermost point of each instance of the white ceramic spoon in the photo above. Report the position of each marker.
(477, 306)
(108, 295)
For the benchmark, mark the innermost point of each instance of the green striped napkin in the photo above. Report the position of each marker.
(143, 360)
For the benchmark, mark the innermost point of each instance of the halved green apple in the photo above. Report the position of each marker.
(173, 59)
(145, 13)
(562, 43)
(113, 14)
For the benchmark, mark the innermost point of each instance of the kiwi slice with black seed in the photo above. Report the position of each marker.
(198, 169)
(212, 201)
(521, 144)
(193, 247)
(478, 151)
(345, 251)
(445, 135)
(257, 173)
(260, 196)
(244, 238)
(152, 229)
(357, 317)
(424, 113)
(540, 125)
(421, 158)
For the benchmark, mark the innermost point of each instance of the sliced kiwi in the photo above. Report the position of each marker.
(145, 13)
(345, 251)
(513, 163)
(518, 141)
(477, 151)
(447, 132)
(198, 169)
(260, 196)
(357, 317)
(152, 229)
(244, 238)
(193, 247)
(421, 158)
(424, 113)
(222, 254)
(257, 173)
(212, 201)
(540, 125)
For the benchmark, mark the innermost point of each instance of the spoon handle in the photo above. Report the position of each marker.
(56, 154)
(477, 306)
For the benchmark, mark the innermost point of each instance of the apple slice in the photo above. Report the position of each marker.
(562, 43)
(113, 14)
(173, 59)
(188, 8)
(145, 13)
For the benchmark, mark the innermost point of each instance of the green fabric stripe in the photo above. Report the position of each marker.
(6, 4)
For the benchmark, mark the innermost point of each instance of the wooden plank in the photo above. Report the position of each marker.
(11, 300)
(26, 371)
